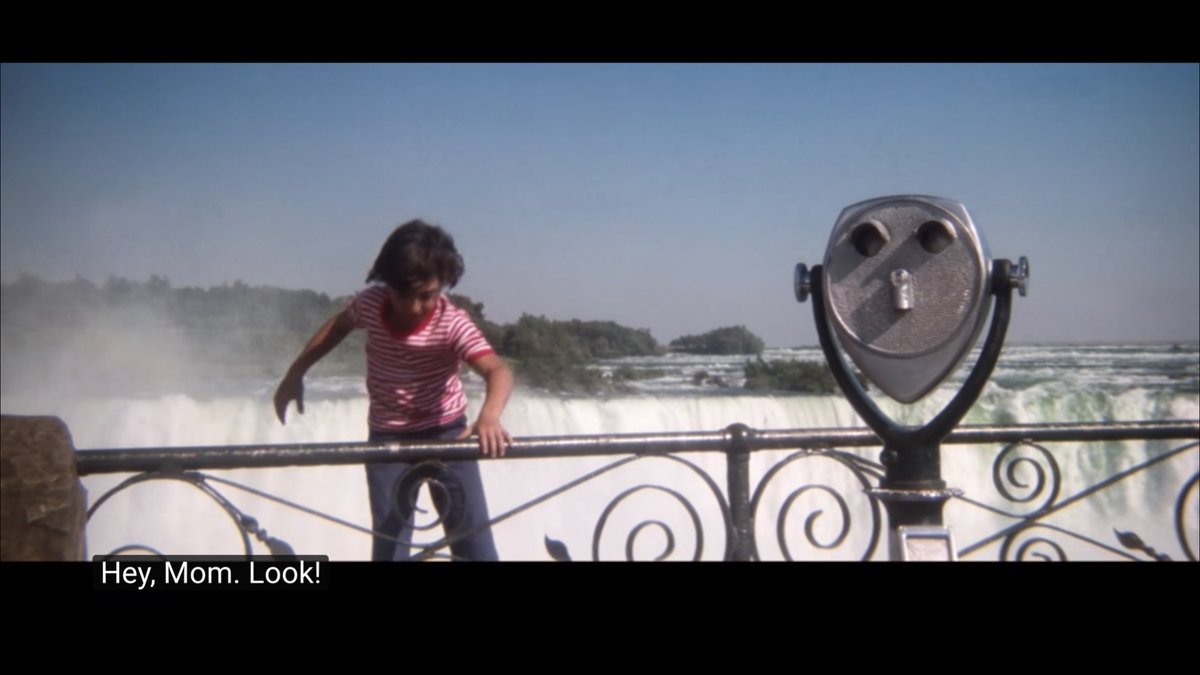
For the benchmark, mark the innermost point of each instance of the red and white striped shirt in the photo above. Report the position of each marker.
(412, 379)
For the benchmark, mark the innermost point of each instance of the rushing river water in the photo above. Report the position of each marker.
(1071, 383)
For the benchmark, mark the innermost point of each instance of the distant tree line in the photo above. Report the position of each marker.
(142, 330)
(555, 355)
(728, 340)
(803, 377)
(133, 330)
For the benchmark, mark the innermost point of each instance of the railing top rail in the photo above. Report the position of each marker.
(128, 460)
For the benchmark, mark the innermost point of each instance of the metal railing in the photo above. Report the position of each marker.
(1021, 504)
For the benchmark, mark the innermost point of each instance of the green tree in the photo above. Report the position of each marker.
(728, 340)
(805, 377)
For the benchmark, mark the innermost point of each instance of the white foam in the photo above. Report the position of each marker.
(177, 518)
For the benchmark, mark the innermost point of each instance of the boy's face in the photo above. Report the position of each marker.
(409, 308)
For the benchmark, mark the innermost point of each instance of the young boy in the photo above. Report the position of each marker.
(416, 342)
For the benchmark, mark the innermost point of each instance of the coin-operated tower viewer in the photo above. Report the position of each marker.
(904, 290)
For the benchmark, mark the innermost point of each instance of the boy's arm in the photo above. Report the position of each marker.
(322, 342)
(493, 437)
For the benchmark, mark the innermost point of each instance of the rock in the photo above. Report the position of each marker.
(42, 503)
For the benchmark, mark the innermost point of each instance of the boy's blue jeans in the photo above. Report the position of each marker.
(466, 504)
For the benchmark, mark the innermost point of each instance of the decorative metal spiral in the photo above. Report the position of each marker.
(810, 521)
(666, 530)
(559, 552)
(862, 470)
(1026, 550)
(633, 534)
(445, 489)
(1008, 465)
(196, 480)
(135, 549)
(1132, 546)
(1189, 494)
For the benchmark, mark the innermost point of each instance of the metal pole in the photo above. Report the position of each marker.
(737, 458)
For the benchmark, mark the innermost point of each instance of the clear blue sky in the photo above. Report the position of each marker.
(671, 197)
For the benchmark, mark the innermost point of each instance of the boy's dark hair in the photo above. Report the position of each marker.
(415, 253)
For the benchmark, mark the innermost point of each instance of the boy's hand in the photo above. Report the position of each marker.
(290, 389)
(493, 437)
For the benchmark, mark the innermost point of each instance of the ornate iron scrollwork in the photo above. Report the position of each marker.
(444, 489)
(1032, 548)
(631, 538)
(1044, 489)
(811, 520)
(246, 525)
(863, 472)
(810, 515)
(1188, 494)
(558, 550)
(1008, 465)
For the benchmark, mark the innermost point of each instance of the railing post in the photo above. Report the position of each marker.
(737, 459)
